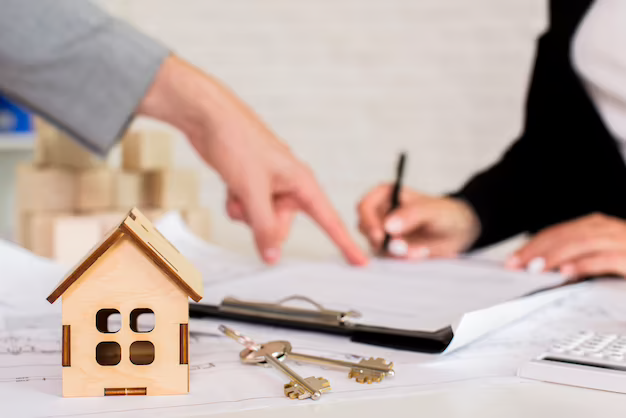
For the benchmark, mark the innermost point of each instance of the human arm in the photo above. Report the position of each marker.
(490, 207)
(76, 65)
(90, 74)
(564, 164)
(593, 244)
(267, 184)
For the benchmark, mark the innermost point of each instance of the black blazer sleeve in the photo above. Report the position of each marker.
(564, 165)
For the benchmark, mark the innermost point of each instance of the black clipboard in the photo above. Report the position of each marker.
(324, 321)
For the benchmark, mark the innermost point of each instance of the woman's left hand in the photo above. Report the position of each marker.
(593, 245)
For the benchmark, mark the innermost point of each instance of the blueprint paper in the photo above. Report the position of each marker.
(30, 364)
(30, 347)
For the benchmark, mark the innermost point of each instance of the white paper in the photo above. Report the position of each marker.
(31, 383)
(30, 364)
(26, 280)
(30, 355)
(472, 295)
(427, 301)
(218, 265)
(597, 306)
(474, 325)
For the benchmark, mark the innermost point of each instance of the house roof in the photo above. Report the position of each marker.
(141, 231)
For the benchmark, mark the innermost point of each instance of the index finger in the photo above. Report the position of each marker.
(316, 204)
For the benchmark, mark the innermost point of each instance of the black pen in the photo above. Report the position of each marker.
(395, 195)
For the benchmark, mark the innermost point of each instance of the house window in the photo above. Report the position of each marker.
(108, 353)
(142, 320)
(142, 353)
(108, 321)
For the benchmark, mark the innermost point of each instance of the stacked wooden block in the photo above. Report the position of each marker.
(67, 199)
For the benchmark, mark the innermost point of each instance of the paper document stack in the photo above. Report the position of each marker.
(427, 296)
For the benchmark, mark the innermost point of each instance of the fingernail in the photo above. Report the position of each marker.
(393, 226)
(536, 265)
(512, 263)
(398, 247)
(271, 255)
(420, 253)
(568, 271)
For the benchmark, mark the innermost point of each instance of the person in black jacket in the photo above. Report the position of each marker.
(563, 179)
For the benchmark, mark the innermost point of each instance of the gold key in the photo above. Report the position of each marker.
(366, 371)
(294, 391)
(371, 370)
(271, 354)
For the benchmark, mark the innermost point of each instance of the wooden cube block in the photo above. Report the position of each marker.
(66, 238)
(73, 237)
(54, 148)
(171, 189)
(62, 237)
(45, 189)
(153, 215)
(44, 129)
(39, 232)
(106, 189)
(199, 221)
(21, 229)
(109, 220)
(147, 150)
(23, 233)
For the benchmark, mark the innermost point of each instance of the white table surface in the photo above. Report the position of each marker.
(508, 400)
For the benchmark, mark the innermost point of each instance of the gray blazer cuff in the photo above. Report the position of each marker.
(81, 69)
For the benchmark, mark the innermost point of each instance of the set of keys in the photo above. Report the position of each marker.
(275, 353)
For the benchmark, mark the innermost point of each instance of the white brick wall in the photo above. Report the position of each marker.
(349, 83)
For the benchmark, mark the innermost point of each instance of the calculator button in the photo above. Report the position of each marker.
(558, 349)
(597, 355)
(578, 352)
(616, 357)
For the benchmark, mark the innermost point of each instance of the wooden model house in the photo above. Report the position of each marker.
(134, 276)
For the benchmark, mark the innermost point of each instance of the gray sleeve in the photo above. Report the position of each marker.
(77, 66)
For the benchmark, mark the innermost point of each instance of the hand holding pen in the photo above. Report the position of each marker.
(417, 225)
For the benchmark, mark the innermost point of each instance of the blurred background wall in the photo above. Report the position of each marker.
(350, 83)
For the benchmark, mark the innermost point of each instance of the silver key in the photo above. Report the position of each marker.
(269, 355)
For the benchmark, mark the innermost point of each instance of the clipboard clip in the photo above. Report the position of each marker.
(278, 310)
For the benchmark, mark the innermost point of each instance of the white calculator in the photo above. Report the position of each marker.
(587, 359)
